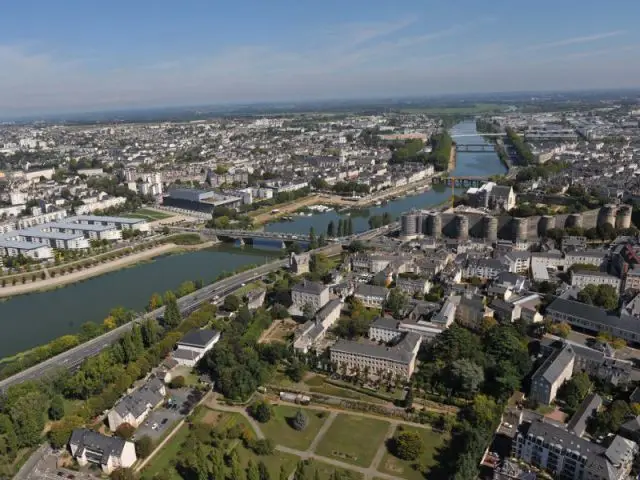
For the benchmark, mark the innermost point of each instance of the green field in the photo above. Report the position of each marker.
(470, 109)
(325, 471)
(353, 439)
(317, 384)
(163, 461)
(279, 430)
(405, 469)
(149, 215)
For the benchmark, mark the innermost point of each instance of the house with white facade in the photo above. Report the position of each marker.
(309, 293)
(136, 406)
(110, 453)
(193, 346)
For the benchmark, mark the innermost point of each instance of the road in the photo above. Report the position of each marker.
(71, 359)
(74, 357)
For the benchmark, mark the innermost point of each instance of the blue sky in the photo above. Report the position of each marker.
(84, 55)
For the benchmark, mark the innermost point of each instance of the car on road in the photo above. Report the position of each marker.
(164, 420)
(154, 426)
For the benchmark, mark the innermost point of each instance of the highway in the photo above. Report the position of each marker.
(72, 358)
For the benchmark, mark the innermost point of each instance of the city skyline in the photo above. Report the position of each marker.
(90, 57)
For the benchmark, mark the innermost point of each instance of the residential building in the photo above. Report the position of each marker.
(567, 456)
(299, 264)
(517, 262)
(548, 378)
(582, 278)
(313, 331)
(585, 257)
(398, 360)
(135, 407)
(484, 268)
(371, 296)
(412, 286)
(589, 407)
(309, 293)
(492, 196)
(470, 310)
(255, 298)
(594, 319)
(110, 453)
(194, 345)
(384, 329)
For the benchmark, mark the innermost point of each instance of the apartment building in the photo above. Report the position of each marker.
(517, 262)
(582, 278)
(371, 296)
(398, 360)
(135, 407)
(550, 376)
(568, 456)
(309, 293)
(384, 329)
(110, 453)
(313, 331)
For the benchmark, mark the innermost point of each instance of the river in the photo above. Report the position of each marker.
(30, 320)
(467, 164)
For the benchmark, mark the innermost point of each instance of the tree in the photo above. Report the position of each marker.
(231, 303)
(408, 399)
(56, 409)
(252, 471)
(296, 370)
(408, 445)
(177, 382)
(340, 231)
(144, 446)
(261, 411)
(396, 302)
(308, 312)
(122, 474)
(562, 329)
(283, 474)
(217, 465)
(263, 471)
(300, 420)
(576, 389)
(331, 229)
(299, 474)
(313, 241)
(60, 432)
(154, 302)
(172, 316)
(125, 431)
(236, 468)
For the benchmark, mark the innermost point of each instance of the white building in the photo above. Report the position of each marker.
(371, 296)
(384, 329)
(398, 360)
(110, 453)
(309, 293)
(135, 407)
(313, 331)
(193, 346)
(582, 278)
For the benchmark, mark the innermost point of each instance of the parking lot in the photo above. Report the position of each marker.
(164, 417)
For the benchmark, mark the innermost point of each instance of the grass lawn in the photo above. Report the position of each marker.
(317, 384)
(163, 461)
(147, 214)
(279, 430)
(273, 462)
(402, 468)
(353, 439)
(325, 471)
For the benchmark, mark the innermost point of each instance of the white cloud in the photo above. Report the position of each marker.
(576, 40)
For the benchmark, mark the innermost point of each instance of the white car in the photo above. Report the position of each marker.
(154, 426)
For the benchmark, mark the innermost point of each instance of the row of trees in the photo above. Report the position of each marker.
(521, 148)
(604, 296)
(345, 228)
(377, 221)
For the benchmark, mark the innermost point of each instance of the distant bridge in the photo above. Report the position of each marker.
(460, 135)
(460, 182)
(474, 147)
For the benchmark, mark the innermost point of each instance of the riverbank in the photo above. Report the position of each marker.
(79, 275)
(452, 159)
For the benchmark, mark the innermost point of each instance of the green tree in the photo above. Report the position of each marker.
(576, 389)
(300, 420)
(217, 464)
(396, 302)
(236, 467)
(464, 377)
(408, 445)
(56, 409)
(313, 241)
(60, 432)
(125, 431)
(172, 316)
(144, 446)
(331, 229)
(263, 471)
(252, 471)
(261, 411)
(283, 474)
(308, 312)
(154, 302)
(177, 382)
(231, 303)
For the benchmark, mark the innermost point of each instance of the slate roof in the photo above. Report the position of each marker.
(371, 290)
(328, 308)
(139, 400)
(402, 352)
(554, 364)
(307, 286)
(198, 337)
(95, 442)
(578, 423)
(385, 323)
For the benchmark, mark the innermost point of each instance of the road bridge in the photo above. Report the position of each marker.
(474, 147)
(460, 135)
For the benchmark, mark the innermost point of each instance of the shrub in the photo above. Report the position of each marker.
(144, 447)
(408, 445)
(125, 431)
(261, 411)
(177, 382)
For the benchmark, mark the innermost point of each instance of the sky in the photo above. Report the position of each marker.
(80, 55)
